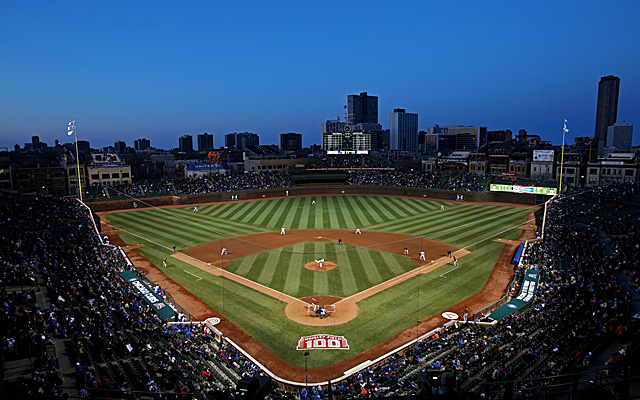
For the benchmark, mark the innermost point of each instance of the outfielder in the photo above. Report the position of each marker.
(195, 208)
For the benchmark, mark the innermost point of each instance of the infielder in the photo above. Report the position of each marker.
(224, 251)
(320, 261)
(282, 231)
(422, 256)
(358, 231)
(406, 251)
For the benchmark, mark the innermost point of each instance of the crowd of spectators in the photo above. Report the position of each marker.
(420, 179)
(182, 186)
(115, 339)
(347, 162)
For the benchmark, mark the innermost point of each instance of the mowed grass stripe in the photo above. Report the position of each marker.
(433, 222)
(333, 216)
(348, 212)
(398, 206)
(373, 264)
(158, 232)
(301, 209)
(292, 270)
(368, 215)
(472, 233)
(255, 213)
(303, 217)
(271, 212)
(292, 220)
(382, 207)
(267, 271)
(282, 213)
(358, 219)
(224, 211)
(341, 221)
(357, 265)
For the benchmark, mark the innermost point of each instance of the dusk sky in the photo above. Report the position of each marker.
(160, 69)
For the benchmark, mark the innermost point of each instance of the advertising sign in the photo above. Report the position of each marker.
(322, 342)
(496, 187)
(543, 155)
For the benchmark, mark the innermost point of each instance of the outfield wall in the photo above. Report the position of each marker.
(99, 205)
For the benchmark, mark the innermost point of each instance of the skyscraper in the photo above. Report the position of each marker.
(607, 110)
(205, 142)
(241, 140)
(185, 143)
(404, 130)
(362, 108)
(141, 144)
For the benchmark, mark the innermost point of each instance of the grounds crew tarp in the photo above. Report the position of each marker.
(527, 292)
(159, 306)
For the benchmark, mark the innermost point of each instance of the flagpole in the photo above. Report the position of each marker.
(564, 130)
(75, 134)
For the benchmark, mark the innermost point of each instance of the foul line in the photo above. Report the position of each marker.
(192, 274)
(449, 271)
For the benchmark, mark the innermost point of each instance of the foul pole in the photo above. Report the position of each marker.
(564, 130)
(75, 135)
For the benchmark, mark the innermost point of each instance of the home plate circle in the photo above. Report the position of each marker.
(450, 315)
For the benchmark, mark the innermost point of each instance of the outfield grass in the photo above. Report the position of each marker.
(381, 316)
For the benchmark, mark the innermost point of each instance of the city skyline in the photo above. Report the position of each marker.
(129, 71)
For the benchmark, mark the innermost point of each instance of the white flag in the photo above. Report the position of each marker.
(565, 126)
(71, 127)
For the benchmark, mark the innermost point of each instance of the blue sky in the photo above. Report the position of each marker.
(160, 69)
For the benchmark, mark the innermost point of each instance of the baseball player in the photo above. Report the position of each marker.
(442, 207)
(313, 202)
(224, 251)
(320, 261)
(195, 208)
(455, 261)
(422, 256)
(282, 231)
(164, 263)
(358, 231)
(406, 251)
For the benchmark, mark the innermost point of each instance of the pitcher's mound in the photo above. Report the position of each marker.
(326, 266)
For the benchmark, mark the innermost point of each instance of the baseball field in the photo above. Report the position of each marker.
(263, 287)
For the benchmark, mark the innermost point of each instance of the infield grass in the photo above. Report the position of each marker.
(381, 316)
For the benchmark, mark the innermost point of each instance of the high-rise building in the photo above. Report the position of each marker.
(620, 135)
(141, 144)
(607, 110)
(241, 140)
(404, 130)
(120, 147)
(185, 143)
(290, 141)
(332, 126)
(362, 108)
(205, 142)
